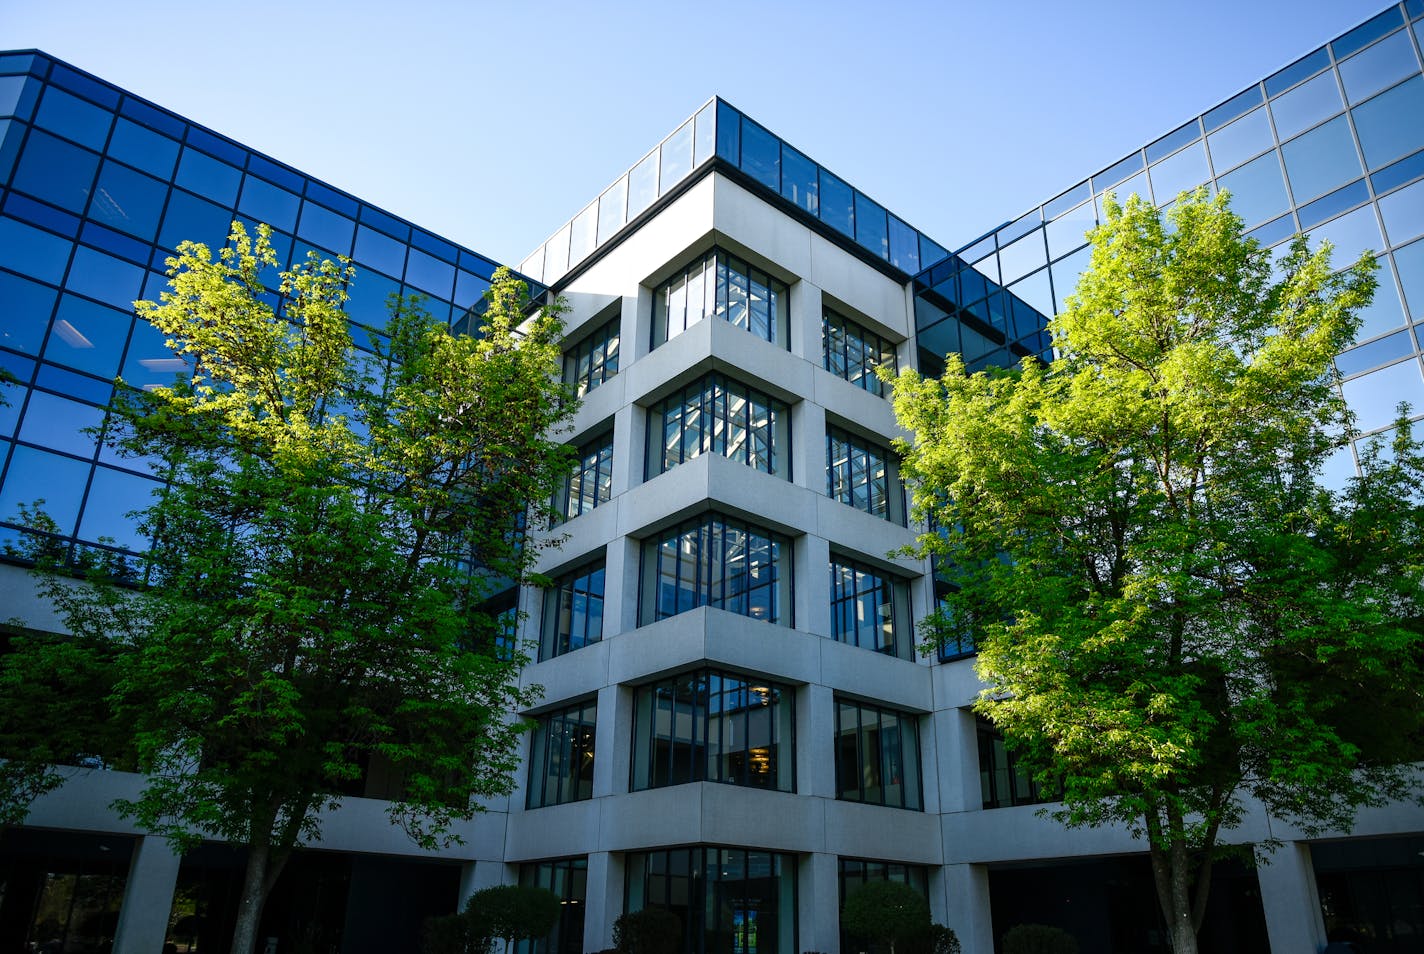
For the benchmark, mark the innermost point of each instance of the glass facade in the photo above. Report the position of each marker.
(711, 726)
(728, 900)
(720, 285)
(870, 608)
(1001, 779)
(877, 755)
(594, 359)
(853, 352)
(573, 611)
(863, 475)
(1332, 145)
(716, 415)
(567, 878)
(97, 188)
(561, 756)
(719, 562)
(591, 483)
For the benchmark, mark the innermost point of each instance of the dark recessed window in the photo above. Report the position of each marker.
(591, 483)
(568, 879)
(573, 612)
(877, 756)
(863, 475)
(594, 359)
(870, 609)
(728, 900)
(561, 756)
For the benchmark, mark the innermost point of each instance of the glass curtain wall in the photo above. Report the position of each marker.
(716, 727)
(863, 475)
(561, 756)
(877, 756)
(870, 609)
(719, 285)
(853, 352)
(720, 562)
(728, 900)
(715, 415)
(573, 612)
(567, 878)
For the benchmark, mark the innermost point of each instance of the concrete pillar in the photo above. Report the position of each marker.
(1293, 919)
(818, 899)
(620, 587)
(967, 910)
(629, 448)
(805, 319)
(957, 751)
(611, 765)
(604, 902)
(813, 584)
(815, 734)
(148, 897)
(808, 446)
(478, 875)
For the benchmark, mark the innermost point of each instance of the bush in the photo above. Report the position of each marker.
(649, 931)
(1039, 939)
(886, 912)
(450, 935)
(511, 912)
(936, 939)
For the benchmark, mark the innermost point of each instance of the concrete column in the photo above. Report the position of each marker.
(148, 897)
(815, 732)
(1293, 919)
(805, 320)
(478, 875)
(818, 900)
(611, 761)
(629, 448)
(957, 752)
(605, 899)
(813, 584)
(620, 587)
(967, 911)
(808, 446)
(635, 326)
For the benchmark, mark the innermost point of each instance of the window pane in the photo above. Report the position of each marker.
(761, 155)
(142, 147)
(1321, 160)
(1306, 105)
(677, 157)
(1248, 136)
(1258, 192)
(1374, 397)
(128, 201)
(1382, 65)
(73, 118)
(1389, 125)
(88, 336)
(1403, 213)
(56, 171)
(208, 177)
(799, 180)
(1185, 170)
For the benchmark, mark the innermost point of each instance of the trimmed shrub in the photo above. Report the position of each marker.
(649, 931)
(1039, 939)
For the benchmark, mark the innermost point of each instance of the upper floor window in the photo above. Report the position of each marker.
(592, 482)
(718, 416)
(877, 756)
(864, 475)
(954, 627)
(870, 608)
(573, 612)
(1003, 781)
(723, 286)
(854, 352)
(594, 359)
(720, 562)
(710, 726)
(561, 756)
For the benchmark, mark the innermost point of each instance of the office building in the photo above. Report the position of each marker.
(735, 723)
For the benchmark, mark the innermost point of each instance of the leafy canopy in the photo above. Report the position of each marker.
(1172, 612)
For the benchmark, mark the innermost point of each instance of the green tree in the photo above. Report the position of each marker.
(512, 913)
(315, 597)
(886, 912)
(1173, 613)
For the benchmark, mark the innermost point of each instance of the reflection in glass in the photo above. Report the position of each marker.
(561, 753)
(719, 562)
(1306, 105)
(721, 286)
(877, 756)
(715, 415)
(573, 612)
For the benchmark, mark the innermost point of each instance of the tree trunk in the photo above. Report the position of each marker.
(254, 893)
(1172, 875)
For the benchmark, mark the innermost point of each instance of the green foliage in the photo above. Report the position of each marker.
(450, 934)
(936, 939)
(512, 912)
(649, 931)
(1038, 939)
(885, 912)
(1172, 613)
(313, 601)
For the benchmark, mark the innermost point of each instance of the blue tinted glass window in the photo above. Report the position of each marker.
(1367, 32)
(51, 377)
(208, 177)
(35, 475)
(190, 219)
(272, 172)
(1066, 201)
(430, 274)
(677, 157)
(380, 251)
(1136, 186)
(1297, 71)
(144, 148)
(837, 204)
(1274, 231)
(1405, 170)
(149, 361)
(1022, 257)
(1410, 263)
(798, 179)
(58, 423)
(1375, 354)
(904, 246)
(88, 336)
(1333, 204)
(27, 306)
(333, 199)
(217, 146)
(326, 228)
(1068, 231)
(1115, 174)
(1185, 170)
(931, 252)
(870, 228)
(104, 277)
(613, 209)
(153, 118)
(729, 133)
(270, 204)
(1389, 125)
(56, 171)
(1321, 160)
(642, 190)
(1307, 105)
(1233, 107)
(27, 249)
(1373, 397)
(377, 219)
(73, 118)
(128, 201)
(1173, 141)
(113, 495)
(1350, 234)
(1258, 192)
(1403, 213)
(1382, 65)
(84, 86)
(367, 298)
(1232, 145)
(1037, 293)
(1384, 312)
(761, 155)
(469, 288)
(11, 89)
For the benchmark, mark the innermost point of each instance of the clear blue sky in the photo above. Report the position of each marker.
(493, 123)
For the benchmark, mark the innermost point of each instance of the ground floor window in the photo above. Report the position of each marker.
(567, 878)
(855, 872)
(729, 900)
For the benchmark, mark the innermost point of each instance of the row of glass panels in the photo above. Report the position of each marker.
(719, 129)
